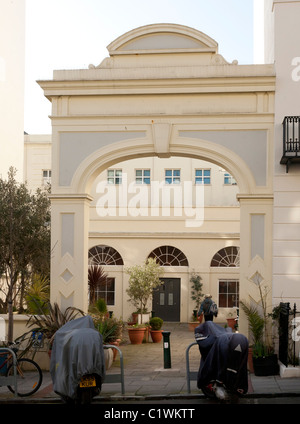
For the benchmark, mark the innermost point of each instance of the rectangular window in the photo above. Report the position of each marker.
(202, 176)
(114, 176)
(228, 293)
(46, 176)
(106, 291)
(172, 176)
(228, 179)
(142, 176)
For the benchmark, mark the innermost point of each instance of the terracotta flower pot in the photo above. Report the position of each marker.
(115, 343)
(231, 323)
(250, 360)
(156, 335)
(136, 335)
(193, 325)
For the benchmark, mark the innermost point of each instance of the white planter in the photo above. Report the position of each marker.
(109, 358)
(289, 371)
(142, 319)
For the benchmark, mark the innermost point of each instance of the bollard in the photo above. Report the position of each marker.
(167, 350)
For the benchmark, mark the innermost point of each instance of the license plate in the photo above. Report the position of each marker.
(88, 381)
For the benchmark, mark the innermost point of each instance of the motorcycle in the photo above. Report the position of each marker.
(77, 365)
(223, 365)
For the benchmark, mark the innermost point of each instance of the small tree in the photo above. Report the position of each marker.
(24, 240)
(143, 279)
(196, 289)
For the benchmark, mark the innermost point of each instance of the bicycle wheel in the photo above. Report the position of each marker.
(29, 377)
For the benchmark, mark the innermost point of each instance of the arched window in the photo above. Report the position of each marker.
(228, 257)
(104, 255)
(169, 256)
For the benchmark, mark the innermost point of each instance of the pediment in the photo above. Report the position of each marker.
(162, 38)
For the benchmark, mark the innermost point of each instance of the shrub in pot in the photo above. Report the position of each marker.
(155, 329)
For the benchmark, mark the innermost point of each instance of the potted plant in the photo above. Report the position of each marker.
(265, 362)
(194, 321)
(49, 323)
(111, 330)
(196, 296)
(155, 329)
(99, 308)
(136, 333)
(143, 279)
(96, 276)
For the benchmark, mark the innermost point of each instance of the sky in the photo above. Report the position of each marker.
(72, 34)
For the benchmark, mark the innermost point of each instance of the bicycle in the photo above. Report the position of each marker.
(29, 374)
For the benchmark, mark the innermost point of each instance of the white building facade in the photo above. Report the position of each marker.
(282, 49)
(164, 92)
(163, 110)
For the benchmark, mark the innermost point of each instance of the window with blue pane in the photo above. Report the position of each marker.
(202, 176)
(142, 176)
(228, 179)
(114, 176)
(172, 176)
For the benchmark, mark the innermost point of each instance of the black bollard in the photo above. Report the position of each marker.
(167, 349)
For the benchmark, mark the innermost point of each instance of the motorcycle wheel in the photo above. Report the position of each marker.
(208, 391)
(85, 396)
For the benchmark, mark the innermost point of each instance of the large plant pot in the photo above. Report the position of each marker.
(231, 323)
(108, 358)
(267, 365)
(156, 335)
(136, 335)
(115, 352)
(193, 325)
(250, 360)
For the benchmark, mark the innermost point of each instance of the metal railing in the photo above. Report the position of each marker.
(190, 375)
(10, 380)
(116, 378)
(291, 134)
(291, 140)
(289, 333)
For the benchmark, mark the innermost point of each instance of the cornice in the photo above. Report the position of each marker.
(164, 235)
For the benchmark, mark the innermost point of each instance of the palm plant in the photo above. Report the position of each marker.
(96, 276)
(256, 322)
(55, 318)
(110, 328)
(37, 295)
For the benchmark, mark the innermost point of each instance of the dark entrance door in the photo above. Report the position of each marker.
(166, 300)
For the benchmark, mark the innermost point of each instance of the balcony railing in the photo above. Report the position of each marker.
(291, 141)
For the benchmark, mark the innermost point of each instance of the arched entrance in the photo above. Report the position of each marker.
(142, 102)
(166, 299)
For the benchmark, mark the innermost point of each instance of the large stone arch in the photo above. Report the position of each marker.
(101, 159)
(164, 91)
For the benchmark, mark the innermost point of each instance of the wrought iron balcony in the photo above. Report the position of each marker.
(291, 141)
